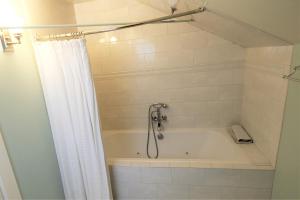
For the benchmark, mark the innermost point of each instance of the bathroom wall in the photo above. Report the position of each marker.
(207, 81)
(287, 177)
(23, 117)
(264, 95)
(198, 74)
(50, 12)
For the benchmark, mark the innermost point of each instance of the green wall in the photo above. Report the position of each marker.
(287, 177)
(25, 126)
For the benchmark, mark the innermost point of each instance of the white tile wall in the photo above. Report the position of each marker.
(167, 191)
(264, 95)
(156, 175)
(195, 72)
(201, 76)
(190, 183)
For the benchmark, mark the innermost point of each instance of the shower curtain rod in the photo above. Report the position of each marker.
(131, 25)
(62, 26)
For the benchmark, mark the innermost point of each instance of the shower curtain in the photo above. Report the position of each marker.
(72, 109)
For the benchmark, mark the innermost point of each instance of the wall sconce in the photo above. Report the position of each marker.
(9, 39)
(9, 17)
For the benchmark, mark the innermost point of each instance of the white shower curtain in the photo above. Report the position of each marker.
(72, 108)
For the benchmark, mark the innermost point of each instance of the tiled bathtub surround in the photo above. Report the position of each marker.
(196, 98)
(204, 79)
(264, 95)
(190, 183)
(198, 74)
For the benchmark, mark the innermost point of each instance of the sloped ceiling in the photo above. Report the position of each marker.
(249, 23)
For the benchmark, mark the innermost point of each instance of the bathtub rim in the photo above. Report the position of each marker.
(188, 162)
(184, 163)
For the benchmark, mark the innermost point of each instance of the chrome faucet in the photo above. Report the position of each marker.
(158, 117)
(155, 121)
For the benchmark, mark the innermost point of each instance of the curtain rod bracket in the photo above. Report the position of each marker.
(8, 40)
(290, 76)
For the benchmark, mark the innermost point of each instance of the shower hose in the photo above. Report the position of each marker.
(151, 127)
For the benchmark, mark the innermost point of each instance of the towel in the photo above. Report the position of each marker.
(240, 135)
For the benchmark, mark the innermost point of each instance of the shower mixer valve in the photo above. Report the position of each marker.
(155, 125)
(159, 118)
(162, 118)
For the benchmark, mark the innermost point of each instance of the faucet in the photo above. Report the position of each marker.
(158, 117)
(155, 116)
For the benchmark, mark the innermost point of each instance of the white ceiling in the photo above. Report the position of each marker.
(249, 23)
(265, 25)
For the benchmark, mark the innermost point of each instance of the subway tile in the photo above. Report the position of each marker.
(204, 192)
(154, 30)
(161, 48)
(189, 176)
(181, 121)
(215, 192)
(219, 54)
(194, 40)
(180, 28)
(205, 93)
(125, 174)
(264, 96)
(156, 175)
(138, 190)
(171, 191)
(157, 60)
(256, 178)
(230, 92)
(250, 193)
(131, 34)
(268, 56)
(123, 123)
(121, 48)
(220, 177)
(119, 190)
(181, 58)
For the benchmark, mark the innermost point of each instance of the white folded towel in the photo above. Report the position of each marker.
(240, 135)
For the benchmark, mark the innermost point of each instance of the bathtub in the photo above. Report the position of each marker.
(192, 164)
(184, 148)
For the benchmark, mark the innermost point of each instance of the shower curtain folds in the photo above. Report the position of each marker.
(72, 109)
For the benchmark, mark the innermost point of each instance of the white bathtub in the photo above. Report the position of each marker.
(197, 148)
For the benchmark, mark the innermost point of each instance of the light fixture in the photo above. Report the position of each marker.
(8, 39)
(9, 18)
